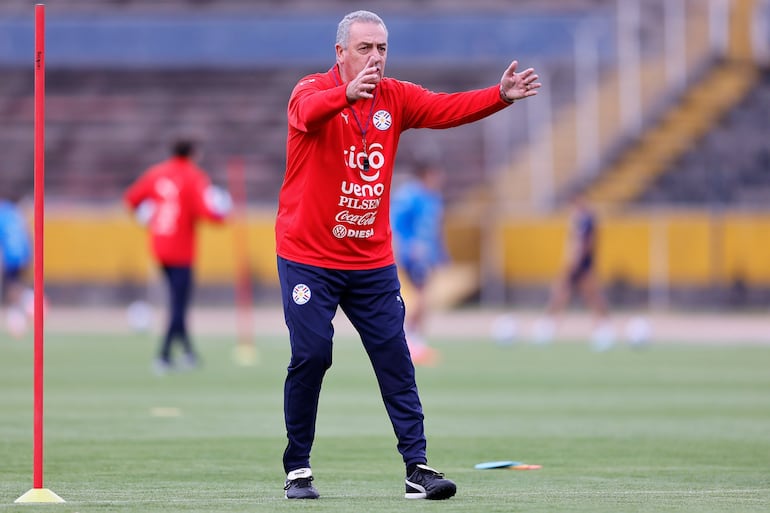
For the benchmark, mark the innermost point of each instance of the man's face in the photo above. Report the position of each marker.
(365, 40)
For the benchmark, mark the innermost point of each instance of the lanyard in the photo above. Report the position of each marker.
(363, 129)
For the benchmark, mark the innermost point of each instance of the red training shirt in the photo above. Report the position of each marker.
(177, 187)
(332, 212)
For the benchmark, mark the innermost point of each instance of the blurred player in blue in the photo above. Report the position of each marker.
(579, 276)
(417, 214)
(16, 255)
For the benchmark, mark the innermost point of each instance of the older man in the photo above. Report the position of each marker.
(333, 236)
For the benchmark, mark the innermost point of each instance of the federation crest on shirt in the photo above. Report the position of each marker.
(382, 120)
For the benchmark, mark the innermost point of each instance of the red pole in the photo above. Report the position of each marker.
(39, 159)
(244, 301)
(38, 493)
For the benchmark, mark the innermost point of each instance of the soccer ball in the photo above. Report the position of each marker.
(638, 332)
(139, 316)
(543, 331)
(504, 330)
(603, 337)
(15, 322)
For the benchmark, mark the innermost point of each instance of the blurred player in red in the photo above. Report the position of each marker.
(417, 215)
(170, 198)
(333, 234)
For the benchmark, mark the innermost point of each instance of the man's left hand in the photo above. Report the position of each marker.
(515, 86)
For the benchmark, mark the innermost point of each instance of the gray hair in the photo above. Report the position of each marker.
(343, 29)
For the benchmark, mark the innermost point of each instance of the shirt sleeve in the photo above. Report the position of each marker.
(428, 109)
(138, 191)
(201, 208)
(312, 104)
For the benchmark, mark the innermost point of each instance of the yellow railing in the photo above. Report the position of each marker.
(108, 246)
(681, 248)
(676, 248)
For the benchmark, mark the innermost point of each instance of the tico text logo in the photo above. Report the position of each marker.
(355, 160)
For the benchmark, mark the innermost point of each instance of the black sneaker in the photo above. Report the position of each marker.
(299, 485)
(427, 483)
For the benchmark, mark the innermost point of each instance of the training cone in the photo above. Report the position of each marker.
(39, 495)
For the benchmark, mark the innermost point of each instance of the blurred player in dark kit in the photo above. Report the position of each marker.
(333, 235)
(171, 198)
(579, 276)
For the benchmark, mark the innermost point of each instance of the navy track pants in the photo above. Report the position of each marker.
(180, 286)
(371, 299)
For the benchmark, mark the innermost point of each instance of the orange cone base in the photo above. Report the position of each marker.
(39, 495)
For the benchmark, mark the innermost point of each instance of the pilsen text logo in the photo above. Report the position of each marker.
(359, 204)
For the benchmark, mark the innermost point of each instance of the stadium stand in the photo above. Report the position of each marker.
(682, 126)
(704, 116)
(111, 107)
(729, 166)
(105, 126)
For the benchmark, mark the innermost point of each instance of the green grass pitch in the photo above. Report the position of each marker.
(673, 428)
